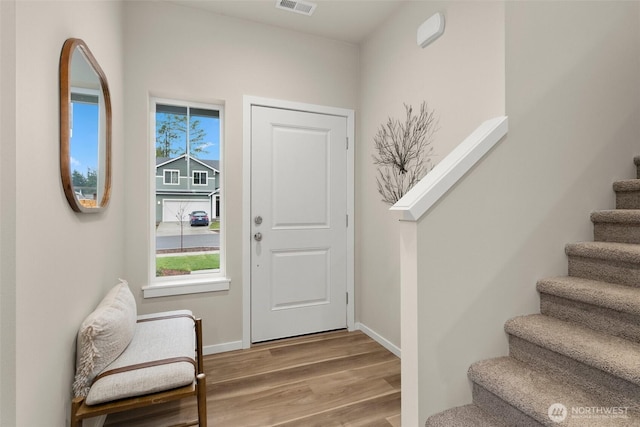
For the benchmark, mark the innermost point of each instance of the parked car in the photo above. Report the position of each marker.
(198, 218)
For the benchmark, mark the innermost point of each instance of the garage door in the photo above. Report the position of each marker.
(170, 208)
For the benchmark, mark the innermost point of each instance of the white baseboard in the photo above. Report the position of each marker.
(379, 339)
(221, 348)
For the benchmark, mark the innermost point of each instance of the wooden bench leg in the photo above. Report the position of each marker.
(201, 384)
(76, 403)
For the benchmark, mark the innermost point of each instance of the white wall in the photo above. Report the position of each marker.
(461, 76)
(173, 51)
(7, 215)
(65, 262)
(572, 98)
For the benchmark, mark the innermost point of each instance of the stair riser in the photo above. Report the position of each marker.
(605, 270)
(613, 391)
(501, 409)
(464, 416)
(619, 233)
(601, 319)
(627, 199)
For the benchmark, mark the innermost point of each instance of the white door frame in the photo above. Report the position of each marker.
(248, 102)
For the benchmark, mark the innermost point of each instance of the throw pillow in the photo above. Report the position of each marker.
(104, 335)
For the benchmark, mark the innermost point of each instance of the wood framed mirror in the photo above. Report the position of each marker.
(85, 129)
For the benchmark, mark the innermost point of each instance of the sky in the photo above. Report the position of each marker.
(84, 137)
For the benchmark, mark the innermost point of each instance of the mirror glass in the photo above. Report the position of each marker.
(85, 129)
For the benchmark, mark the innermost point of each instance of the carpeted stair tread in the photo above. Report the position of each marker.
(620, 216)
(610, 354)
(609, 251)
(616, 297)
(532, 392)
(627, 185)
(464, 416)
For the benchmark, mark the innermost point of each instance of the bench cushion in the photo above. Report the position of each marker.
(153, 340)
(104, 335)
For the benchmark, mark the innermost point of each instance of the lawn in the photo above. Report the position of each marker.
(185, 264)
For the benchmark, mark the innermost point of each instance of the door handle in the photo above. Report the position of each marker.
(258, 237)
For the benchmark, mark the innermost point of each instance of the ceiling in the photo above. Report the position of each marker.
(350, 21)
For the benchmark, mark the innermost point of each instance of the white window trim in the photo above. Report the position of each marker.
(164, 176)
(185, 285)
(206, 177)
(193, 283)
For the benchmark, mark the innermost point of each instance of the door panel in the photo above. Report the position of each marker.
(288, 293)
(300, 177)
(298, 189)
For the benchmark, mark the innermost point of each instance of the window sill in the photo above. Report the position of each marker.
(185, 286)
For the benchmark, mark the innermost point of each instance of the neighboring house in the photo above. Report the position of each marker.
(186, 183)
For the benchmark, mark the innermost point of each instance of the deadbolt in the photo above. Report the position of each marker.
(258, 220)
(258, 237)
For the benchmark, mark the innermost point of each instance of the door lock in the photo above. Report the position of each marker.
(258, 237)
(258, 220)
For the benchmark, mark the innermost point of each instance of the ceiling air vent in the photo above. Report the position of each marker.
(298, 6)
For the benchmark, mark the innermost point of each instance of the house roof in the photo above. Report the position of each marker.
(211, 164)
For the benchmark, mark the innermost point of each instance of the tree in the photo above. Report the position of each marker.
(92, 178)
(403, 152)
(171, 133)
(168, 132)
(78, 179)
(180, 215)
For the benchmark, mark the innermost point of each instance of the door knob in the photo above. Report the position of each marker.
(258, 237)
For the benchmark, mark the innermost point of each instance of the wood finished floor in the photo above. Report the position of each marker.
(333, 379)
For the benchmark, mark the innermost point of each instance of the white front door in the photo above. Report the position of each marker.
(299, 223)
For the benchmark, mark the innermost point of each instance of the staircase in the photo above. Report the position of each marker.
(577, 363)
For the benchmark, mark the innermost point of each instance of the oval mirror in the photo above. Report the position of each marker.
(85, 129)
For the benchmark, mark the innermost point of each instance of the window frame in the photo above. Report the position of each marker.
(192, 283)
(199, 172)
(170, 182)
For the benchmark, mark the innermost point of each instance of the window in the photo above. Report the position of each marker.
(187, 219)
(200, 177)
(171, 177)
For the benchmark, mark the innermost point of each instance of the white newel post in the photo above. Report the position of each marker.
(409, 321)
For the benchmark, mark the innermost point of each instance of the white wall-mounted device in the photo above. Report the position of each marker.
(430, 30)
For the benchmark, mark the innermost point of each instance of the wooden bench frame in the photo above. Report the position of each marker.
(80, 410)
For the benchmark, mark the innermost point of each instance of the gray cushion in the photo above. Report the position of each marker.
(153, 340)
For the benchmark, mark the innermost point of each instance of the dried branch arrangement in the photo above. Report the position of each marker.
(404, 152)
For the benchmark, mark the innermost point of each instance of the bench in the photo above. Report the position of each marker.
(125, 361)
